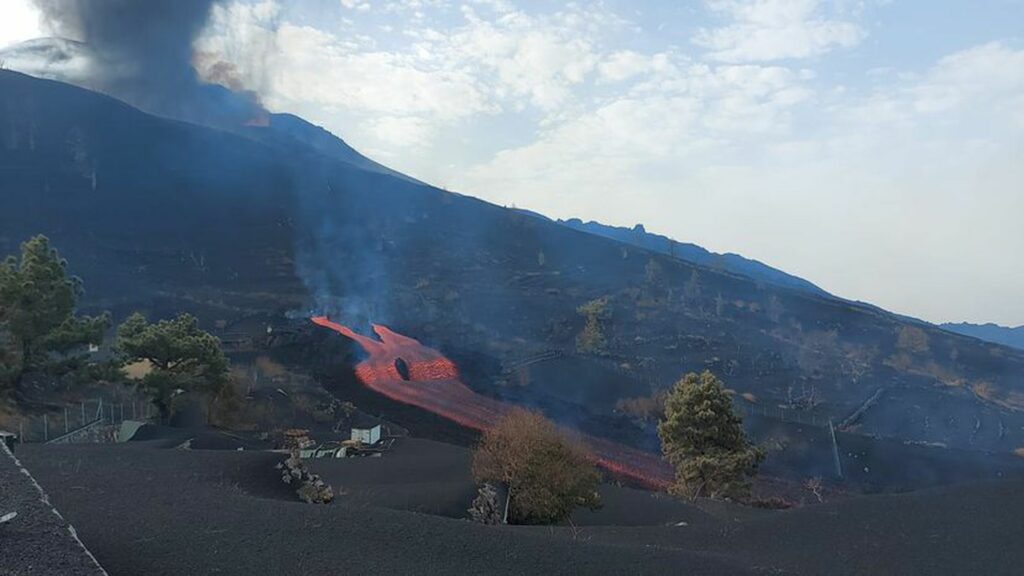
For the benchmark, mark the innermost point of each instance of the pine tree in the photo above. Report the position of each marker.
(39, 330)
(704, 440)
(181, 356)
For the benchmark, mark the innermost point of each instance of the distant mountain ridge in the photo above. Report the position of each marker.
(734, 263)
(1012, 337)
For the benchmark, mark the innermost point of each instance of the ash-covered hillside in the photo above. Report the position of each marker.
(254, 222)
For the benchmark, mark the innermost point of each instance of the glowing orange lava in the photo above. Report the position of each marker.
(434, 384)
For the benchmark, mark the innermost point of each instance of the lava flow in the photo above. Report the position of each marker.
(406, 371)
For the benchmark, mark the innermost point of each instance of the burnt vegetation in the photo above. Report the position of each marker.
(258, 223)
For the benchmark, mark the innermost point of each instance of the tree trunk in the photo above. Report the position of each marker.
(26, 352)
(508, 499)
(164, 411)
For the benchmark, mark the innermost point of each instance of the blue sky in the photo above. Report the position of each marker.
(871, 146)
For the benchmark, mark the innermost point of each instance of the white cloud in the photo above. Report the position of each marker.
(768, 30)
(319, 67)
(357, 5)
(20, 22)
(399, 133)
(682, 112)
(623, 65)
(489, 62)
(990, 77)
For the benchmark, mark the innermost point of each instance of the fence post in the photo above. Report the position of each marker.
(46, 427)
(21, 430)
(121, 405)
(835, 450)
(66, 429)
(83, 412)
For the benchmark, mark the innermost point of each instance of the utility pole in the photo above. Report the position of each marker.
(835, 449)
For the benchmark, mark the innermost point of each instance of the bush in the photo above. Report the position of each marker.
(591, 339)
(547, 474)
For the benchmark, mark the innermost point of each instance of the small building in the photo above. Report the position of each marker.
(325, 450)
(366, 435)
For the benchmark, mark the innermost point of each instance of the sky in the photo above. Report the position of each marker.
(874, 147)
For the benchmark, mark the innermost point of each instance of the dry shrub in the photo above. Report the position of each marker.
(547, 473)
(645, 408)
(912, 339)
(1011, 400)
(226, 409)
(901, 362)
(270, 368)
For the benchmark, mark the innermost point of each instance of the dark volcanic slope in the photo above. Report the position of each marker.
(973, 529)
(200, 512)
(163, 216)
(172, 512)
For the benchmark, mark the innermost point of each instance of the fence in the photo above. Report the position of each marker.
(62, 423)
(805, 417)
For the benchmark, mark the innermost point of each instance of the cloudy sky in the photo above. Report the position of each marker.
(875, 147)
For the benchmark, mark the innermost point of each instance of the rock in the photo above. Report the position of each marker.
(485, 508)
(311, 488)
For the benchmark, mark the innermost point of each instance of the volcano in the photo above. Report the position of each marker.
(434, 384)
(250, 228)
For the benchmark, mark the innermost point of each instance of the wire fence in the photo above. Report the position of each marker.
(783, 414)
(63, 423)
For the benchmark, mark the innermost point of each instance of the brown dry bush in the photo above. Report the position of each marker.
(547, 473)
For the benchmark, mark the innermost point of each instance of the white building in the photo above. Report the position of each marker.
(369, 435)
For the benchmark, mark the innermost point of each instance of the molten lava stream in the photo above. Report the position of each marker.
(434, 384)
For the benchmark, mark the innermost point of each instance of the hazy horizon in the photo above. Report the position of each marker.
(871, 147)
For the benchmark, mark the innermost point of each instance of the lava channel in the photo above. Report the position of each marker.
(430, 381)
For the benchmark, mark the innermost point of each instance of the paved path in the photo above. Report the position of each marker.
(38, 541)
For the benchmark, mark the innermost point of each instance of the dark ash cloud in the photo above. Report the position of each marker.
(141, 51)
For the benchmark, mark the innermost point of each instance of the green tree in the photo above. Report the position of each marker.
(591, 339)
(547, 474)
(39, 330)
(704, 440)
(180, 357)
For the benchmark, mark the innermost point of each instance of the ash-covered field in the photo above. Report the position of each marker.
(144, 508)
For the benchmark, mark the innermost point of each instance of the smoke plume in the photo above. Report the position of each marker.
(141, 52)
